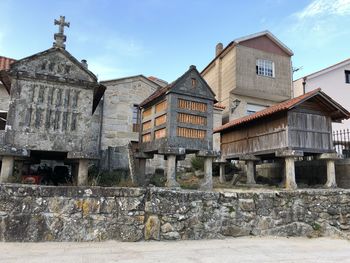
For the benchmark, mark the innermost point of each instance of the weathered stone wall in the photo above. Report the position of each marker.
(4, 98)
(51, 106)
(33, 213)
(120, 97)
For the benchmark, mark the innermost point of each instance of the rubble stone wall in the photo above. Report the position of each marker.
(44, 213)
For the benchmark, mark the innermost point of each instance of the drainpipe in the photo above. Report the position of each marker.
(101, 127)
(304, 84)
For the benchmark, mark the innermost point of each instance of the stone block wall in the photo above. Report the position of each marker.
(4, 98)
(33, 213)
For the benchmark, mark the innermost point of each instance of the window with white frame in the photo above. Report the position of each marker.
(265, 67)
(252, 108)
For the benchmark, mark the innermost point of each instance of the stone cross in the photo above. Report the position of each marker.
(62, 23)
(60, 38)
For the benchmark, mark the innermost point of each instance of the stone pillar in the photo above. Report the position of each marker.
(331, 182)
(83, 172)
(142, 172)
(250, 172)
(171, 171)
(250, 163)
(290, 173)
(6, 168)
(330, 159)
(222, 177)
(208, 174)
(289, 167)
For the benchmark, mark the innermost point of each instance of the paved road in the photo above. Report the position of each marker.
(246, 249)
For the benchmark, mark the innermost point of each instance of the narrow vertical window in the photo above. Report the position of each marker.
(347, 76)
(135, 118)
(194, 82)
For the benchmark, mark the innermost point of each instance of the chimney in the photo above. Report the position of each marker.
(84, 63)
(218, 49)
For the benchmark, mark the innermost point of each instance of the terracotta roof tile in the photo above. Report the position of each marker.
(158, 93)
(5, 63)
(286, 105)
(219, 106)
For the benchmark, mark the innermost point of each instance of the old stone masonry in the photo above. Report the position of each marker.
(44, 213)
(60, 114)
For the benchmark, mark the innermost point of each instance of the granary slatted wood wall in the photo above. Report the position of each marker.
(179, 116)
(258, 137)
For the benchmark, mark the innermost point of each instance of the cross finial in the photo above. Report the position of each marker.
(60, 37)
(62, 23)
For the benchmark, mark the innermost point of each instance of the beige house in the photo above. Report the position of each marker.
(333, 80)
(250, 74)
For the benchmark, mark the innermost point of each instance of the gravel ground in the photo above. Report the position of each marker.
(245, 249)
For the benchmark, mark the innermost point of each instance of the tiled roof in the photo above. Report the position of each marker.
(5, 63)
(158, 93)
(219, 106)
(286, 105)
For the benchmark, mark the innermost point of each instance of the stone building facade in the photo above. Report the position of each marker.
(250, 74)
(120, 109)
(53, 98)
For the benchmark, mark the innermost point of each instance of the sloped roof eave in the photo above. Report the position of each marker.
(283, 106)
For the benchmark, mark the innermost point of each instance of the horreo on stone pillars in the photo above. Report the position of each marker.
(208, 156)
(330, 159)
(289, 169)
(250, 162)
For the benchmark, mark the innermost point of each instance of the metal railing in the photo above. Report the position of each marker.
(341, 142)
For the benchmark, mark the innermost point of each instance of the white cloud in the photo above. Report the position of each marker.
(105, 71)
(319, 24)
(324, 8)
(127, 47)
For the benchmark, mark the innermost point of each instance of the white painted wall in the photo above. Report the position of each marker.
(333, 84)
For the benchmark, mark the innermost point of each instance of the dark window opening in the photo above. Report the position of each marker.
(3, 118)
(347, 76)
(135, 118)
(194, 83)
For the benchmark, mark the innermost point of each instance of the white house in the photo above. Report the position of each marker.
(334, 81)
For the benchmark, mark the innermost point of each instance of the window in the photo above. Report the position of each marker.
(3, 117)
(347, 76)
(252, 108)
(194, 82)
(135, 118)
(265, 68)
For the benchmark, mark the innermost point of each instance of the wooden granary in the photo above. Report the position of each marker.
(177, 120)
(296, 127)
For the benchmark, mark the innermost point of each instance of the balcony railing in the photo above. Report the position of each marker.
(341, 142)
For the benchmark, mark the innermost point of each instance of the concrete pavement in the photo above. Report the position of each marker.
(245, 249)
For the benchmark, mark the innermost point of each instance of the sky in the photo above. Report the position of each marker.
(163, 38)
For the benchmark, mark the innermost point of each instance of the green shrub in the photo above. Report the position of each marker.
(158, 178)
(197, 163)
(118, 177)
